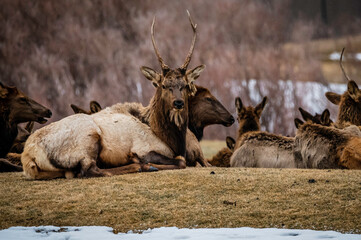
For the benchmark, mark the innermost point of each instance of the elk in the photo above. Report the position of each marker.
(349, 102)
(16, 108)
(322, 119)
(223, 157)
(94, 108)
(255, 148)
(318, 146)
(204, 110)
(75, 144)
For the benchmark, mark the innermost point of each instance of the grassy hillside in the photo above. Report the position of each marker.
(192, 198)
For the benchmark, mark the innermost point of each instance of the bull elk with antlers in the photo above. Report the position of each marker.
(74, 145)
(349, 102)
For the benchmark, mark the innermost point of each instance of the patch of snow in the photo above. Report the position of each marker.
(358, 56)
(106, 233)
(335, 56)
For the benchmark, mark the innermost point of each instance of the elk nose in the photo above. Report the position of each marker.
(231, 120)
(49, 113)
(178, 104)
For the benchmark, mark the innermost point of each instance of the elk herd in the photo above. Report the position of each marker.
(166, 134)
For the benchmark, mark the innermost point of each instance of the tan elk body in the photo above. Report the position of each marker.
(255, 148)
(318, 146)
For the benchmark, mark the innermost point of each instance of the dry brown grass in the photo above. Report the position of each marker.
(211, 147)
(191, 198)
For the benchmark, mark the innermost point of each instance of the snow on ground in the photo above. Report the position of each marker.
(106, 233)
(335, 56)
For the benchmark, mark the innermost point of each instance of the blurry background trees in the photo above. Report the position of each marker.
(75, 51)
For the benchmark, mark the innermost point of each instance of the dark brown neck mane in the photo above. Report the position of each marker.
(8, 133)
(167, 131)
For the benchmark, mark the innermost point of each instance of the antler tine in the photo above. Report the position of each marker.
(160, 59)
(343, 70)
(189, 56)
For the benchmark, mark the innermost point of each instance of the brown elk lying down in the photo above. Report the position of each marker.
(15, 108)
(323, 147)
(259, 149)
(349, 103)
(223, 157)
(74, 145)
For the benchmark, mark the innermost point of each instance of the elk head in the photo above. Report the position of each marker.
(19, 108)
(248, 117)
(94, 108)
(204, 110)
(323, 118)
(349, 102)
(174, 86)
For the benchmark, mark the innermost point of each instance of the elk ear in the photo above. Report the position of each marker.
(29, 127)
(239, 105)
(193, 74)
(230, 143)
(306, 115)
(151, 75)
(298, 122)
(259, 108)
(95, 107)
(77, 109)
(352, 89)
(3, 90)
(333, 97)
(325, 117)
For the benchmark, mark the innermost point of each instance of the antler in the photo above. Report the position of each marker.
(160, 59)
(343, 70)
(189, 56)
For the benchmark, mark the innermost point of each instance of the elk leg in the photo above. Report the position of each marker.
(90, 169)
(49, 175)
(159, 159)
(131, 168)
(14, 158)
(6, 166)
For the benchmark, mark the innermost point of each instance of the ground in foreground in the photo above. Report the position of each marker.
(190, 198)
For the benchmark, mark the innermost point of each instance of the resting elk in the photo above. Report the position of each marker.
(223, 157)
(16, 108)
(204, 110)
(74, 145)
(349, 102)
(256, 148)
(318, 146)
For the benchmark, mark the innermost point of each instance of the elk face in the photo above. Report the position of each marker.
(207, 110)
(20, 107)
(174, 87)
(248, 117)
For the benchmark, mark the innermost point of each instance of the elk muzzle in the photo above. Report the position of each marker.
(229, 122)
(178, 104)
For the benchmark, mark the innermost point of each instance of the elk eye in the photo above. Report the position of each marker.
(209, 99)
(23, 99)
(163, 86)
